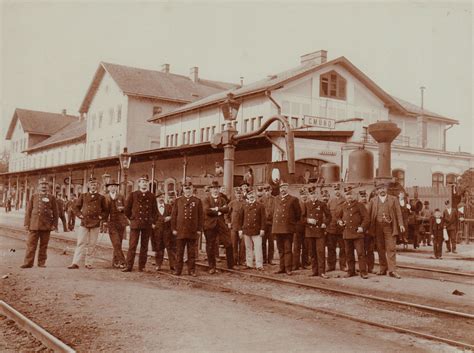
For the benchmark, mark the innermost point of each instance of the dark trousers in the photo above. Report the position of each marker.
(143, 235)
(386, 247)
(318, 254)
(32, 243)
(299, 248)
(268, 244)
(358, 245)
(369, 248)
(62, 217)
(284, 250)
(333, 241)
(438, 245)
(164, 239)
(220, 234)
(191, 246)
(451, 242)
(71, 220)
(239, 247)
(413, 232)
(116, 234)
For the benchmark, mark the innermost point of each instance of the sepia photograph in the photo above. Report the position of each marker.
(236, 176)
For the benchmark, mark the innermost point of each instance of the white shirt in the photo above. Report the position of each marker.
(113, 196)
(383, 198)
(161, 208)
(449, 210)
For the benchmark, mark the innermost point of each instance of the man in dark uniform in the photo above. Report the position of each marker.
(286, 214)
(385, 223)
(268, 241)
(238, 243)
(116, 221)
(450, 220)
(71, 217)
(316, 216)
(354, 218)
(187, 223)
(92, 210)
(41, 217)
(215, 228)
(369, 241)
(299, 248)
(334, 237)
(61, 209)
(141, 210)
(162, 234)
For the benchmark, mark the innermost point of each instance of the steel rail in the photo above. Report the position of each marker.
(324, 311)
(34, 329)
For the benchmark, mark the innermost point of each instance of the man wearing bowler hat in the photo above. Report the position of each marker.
(41, 217)
(91, 209)
(117, 222)
(215, 228)
(385, 223)
(286, 214)
(186, 224)
(450, 218)
(141, 210)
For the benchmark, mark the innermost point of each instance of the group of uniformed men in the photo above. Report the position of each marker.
(247, 227)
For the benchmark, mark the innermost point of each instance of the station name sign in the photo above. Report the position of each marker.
(316, 121)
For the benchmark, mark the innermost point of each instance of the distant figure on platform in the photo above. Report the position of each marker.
(71, 216)
(425, 218)
(91, 210)
(385, 223)
(219, 171)
(162, 235)
(8, 204)
(451, 218)
(141, 210)
(41, 216)
(61, 209)
(405, 208)
(248, 177)
(436, 231)
(216, 229)
(117, 222)
(286, 214)
(186, 224)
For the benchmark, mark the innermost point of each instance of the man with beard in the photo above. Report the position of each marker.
(216, 229)
(385, 223)
(334, 237)
(41, 216)
(186, 224)
(286, 214)
(450, 218)
(142, 212)
(237, 243)
(162, 235)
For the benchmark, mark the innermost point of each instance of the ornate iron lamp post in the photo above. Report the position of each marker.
(125, 160)
(229, 139)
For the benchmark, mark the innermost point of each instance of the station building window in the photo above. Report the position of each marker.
(399, 176)
(437, 180)
(332, 85)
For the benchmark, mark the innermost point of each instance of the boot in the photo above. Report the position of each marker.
(229, 254)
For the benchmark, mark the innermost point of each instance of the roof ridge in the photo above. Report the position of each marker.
(141, 68)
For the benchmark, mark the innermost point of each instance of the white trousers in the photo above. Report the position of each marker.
(253, 246)
(86, 244)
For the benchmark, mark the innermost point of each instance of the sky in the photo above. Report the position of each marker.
(50, 50)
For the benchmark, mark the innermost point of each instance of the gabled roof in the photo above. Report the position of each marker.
(276, 81)
(75, 131)
(152, 84)
(416, 110)
(40, 123)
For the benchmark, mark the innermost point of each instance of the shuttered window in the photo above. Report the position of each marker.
(332, 85)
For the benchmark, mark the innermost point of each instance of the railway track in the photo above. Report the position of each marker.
(29, 326)
(208, 282)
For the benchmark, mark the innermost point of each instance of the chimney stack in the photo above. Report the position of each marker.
(64, 111)
(165, 68)
(317, 57)
(384, 132)
(194, 74)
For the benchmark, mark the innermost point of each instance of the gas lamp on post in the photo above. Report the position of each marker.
(125, 160)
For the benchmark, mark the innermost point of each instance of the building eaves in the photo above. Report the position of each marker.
(417, 111)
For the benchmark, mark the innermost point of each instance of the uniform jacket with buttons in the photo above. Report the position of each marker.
(187, 217)
(334, 205)
(116, 217)
(450, 220)
(319, 211)
(212, 218)
(91, 209)
(141, 209)
(354, 214)
(252, 218)
(286, 214)
(234, 209)
(160, 224)
(41, 212)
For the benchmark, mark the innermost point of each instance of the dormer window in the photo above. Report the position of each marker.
(332, 85)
